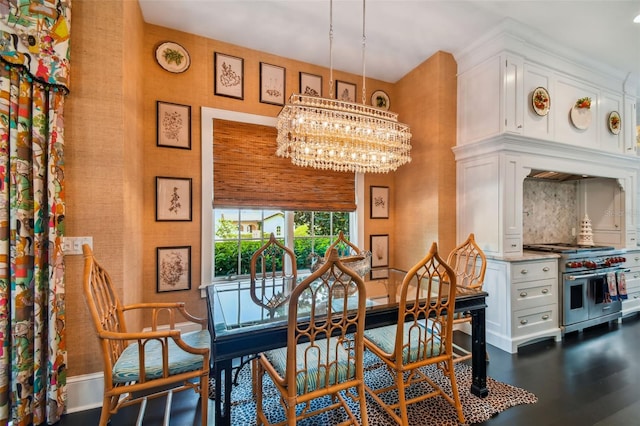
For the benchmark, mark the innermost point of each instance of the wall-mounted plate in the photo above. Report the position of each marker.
(173, 57)
(540, 101)
(615, 122)
(581, 117)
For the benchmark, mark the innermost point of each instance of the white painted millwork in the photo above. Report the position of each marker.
(501, 139)
(522, 306)
(632, 303)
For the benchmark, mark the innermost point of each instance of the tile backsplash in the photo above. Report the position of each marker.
(550, 211)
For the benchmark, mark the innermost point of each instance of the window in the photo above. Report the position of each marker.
(308, 232)
(208, 118)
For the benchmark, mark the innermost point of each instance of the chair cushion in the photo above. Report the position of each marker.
(314, 377)
(126, 368)
(385, 339)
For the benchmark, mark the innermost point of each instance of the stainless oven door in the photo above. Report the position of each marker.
(586, 296)
(575, 305)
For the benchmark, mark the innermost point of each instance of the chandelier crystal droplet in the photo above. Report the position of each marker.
(332, 134)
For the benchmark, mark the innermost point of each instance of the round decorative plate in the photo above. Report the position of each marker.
(173, 57)
(581, 117)
(540, 101)
(380, 99)
(615, 122)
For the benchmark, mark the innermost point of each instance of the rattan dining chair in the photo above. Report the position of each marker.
(421, 337)
(324, 352)
(273, 274)
(143, 365)
(469, 263)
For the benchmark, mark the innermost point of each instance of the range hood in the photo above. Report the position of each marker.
(556, 176)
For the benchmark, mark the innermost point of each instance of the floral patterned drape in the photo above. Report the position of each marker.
(34, 36)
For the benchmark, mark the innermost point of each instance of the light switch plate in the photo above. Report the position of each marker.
(73, 245)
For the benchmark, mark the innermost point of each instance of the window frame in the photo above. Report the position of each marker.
(207, 117)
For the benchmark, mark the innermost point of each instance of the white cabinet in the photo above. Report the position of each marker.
(632, 278)
(523, 302)
(494, 98)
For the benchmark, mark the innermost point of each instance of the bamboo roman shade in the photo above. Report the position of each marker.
(247, 173)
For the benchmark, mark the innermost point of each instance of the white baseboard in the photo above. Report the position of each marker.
(84, 392)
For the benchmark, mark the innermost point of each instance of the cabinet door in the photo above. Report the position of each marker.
(513, 96)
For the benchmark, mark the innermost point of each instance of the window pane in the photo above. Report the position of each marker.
(226, 224)
(322, 224)
(341, 223)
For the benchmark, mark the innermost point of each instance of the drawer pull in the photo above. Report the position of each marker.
(523, 322)
(545, 290)
(637, 258)
(523, 294)
(524, 271)
(545, 269)
(545, 317)
(514, 245)
(636, 275)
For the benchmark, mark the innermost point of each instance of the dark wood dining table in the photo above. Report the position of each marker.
(241, 328)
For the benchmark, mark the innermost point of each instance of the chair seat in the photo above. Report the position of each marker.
(315, 376)
(385, 339)
(126, 367)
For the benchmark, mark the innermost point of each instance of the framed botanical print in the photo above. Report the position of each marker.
(379, 202)
(173, 199)
(272, 83)
(173, 268)
(345, 91)
(173, 125)
(228, 75)
(310, 84)
(379, 250)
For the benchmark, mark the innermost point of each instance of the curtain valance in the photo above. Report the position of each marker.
(34, 35)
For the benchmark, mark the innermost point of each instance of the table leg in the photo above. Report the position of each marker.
(222, 403)
(479, 353)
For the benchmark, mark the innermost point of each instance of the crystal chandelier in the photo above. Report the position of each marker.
(333, 134)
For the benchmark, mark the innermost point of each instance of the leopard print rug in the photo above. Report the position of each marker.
(434, 411)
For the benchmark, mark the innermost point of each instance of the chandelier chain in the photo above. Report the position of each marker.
(331, 49)
(364, 45)
(336, 133)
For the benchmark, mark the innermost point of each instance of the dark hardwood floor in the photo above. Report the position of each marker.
(589, 379)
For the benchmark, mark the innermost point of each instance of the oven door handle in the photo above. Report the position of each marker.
(596, 274)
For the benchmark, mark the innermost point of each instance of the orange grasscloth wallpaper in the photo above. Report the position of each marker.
(112, 158)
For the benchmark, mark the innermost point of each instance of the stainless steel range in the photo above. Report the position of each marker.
(585, 272)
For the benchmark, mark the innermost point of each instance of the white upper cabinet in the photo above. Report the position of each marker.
(497, 79)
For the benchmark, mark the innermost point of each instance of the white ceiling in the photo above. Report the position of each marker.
(401, 34)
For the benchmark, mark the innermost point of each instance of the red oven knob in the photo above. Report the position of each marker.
(590, 264)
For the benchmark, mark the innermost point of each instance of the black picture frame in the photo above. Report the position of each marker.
(379, 250)
(173, 268)
(272, 84)
(228, 76)
(345, 91)
(310, 84)
(173, 125)
(173, 199)
(379, 202)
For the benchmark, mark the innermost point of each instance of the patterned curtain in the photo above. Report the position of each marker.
(34, 42)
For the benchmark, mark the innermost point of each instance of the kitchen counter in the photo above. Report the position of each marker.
(525, 256)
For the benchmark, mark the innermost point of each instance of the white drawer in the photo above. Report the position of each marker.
(633, 259)
(538, 270)
(534, 320)
(529, 294)
(632, 304)
(633, 281)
